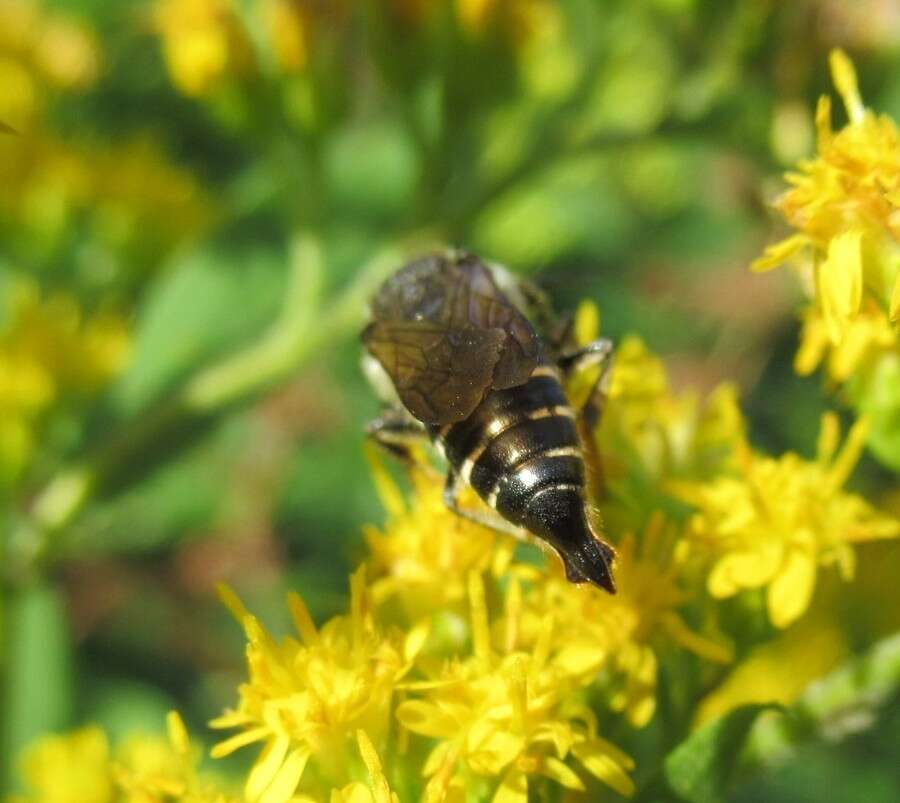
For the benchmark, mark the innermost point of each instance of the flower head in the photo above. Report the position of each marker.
(773, 523)
(82, 766)
(504, 716)
(617, 640)
(204, 43)
(845, 205)
(305, 699)
(48, 349)
(425, 552)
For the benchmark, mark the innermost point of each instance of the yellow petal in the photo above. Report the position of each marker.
(844, 76)
(481, 635)
(740, 570)
(373, 764)
(791, 590)
(587, 322)
(840, 281)
(780, 252)
(302, 619)
(390, 494)
(823, 123)
(562, 773)
(895, 301)
(178, 735)
(513, 789)
(426, 719)
(415, 640)
(266, 767)
(598, 761)
(239, 740)
(849, 455)
(285, 782)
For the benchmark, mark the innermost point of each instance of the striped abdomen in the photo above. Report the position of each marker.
(520, 451)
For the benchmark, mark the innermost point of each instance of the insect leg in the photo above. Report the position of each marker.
(396, 433)
(485, 518)
(598, 352)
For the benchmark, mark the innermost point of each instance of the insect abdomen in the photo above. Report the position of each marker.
(517, 443)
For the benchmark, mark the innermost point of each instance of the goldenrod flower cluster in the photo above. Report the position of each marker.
(845, 205)
(476, 669)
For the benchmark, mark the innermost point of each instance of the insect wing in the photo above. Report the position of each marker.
(445, 333)
(440, 375)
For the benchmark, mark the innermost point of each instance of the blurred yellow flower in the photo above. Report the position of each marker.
(70, 767)
(81, 767)
(506, 717)
(845, 204)
(204, 43)
(521, 20)
(49, 349)
(774, 522)
(40, 51)
(306, 699)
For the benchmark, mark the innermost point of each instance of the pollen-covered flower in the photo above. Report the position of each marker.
(305, 699)
(204, 43)
(774, 522)
(501, 717)
(845, 205)
(425, 552)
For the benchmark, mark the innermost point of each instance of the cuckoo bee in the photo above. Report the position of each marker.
(453, 354)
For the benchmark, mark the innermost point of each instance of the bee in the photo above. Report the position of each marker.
(455, 357)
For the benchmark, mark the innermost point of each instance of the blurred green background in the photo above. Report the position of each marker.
(197, 198)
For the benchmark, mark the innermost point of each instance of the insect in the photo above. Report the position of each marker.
(455, 357)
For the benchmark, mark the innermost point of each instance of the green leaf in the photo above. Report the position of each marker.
(203, 306)
(37, 697)
(5, 128)
(700, 768)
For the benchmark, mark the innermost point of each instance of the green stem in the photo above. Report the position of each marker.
(300, 333)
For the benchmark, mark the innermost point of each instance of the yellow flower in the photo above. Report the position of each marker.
(70, 767)
(845, 204)
(80, 767)
(306, 699)
(506, 717)
(48, 348)
(774, 522)
(425, 552)
(616, 639)
(649, 434)
(378, 789)
(521, 20)
(155, 770)
(40, 51)
(204, 43)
